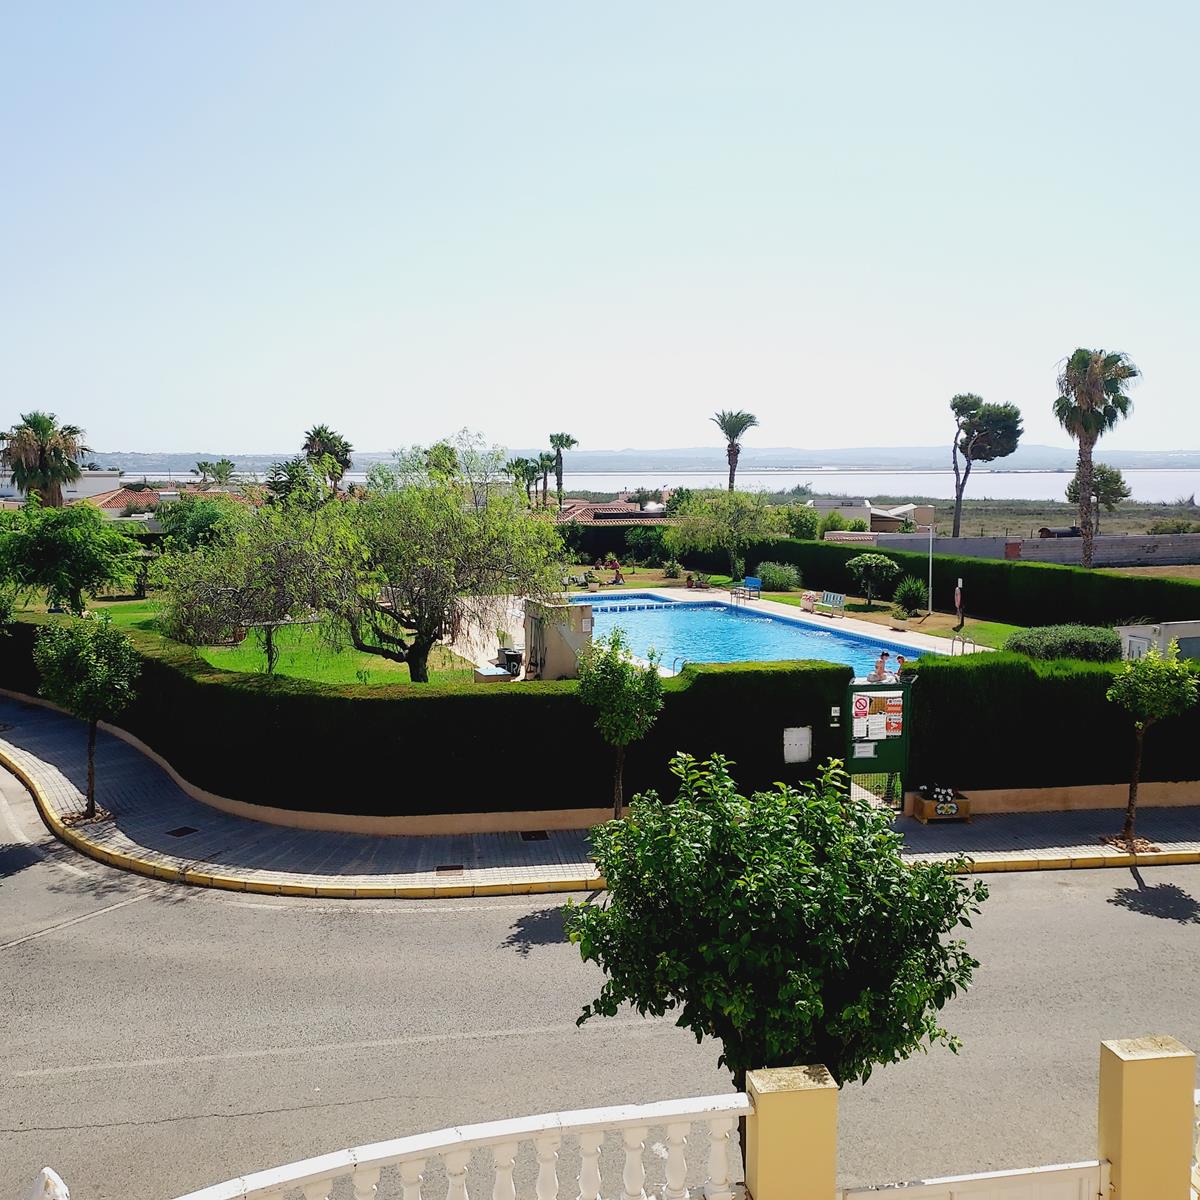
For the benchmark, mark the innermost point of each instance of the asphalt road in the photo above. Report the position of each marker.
(157, 1039)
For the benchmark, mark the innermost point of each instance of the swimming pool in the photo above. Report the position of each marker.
(714, 631)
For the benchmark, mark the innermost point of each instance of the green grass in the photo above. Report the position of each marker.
(302, 653)
(985, 633)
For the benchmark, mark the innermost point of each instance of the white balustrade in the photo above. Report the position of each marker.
(455, 1149)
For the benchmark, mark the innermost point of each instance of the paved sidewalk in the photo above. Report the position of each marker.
(158, 830)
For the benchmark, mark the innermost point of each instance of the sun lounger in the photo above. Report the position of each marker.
(833, 603)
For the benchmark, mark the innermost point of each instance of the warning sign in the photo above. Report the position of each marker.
(862, 705)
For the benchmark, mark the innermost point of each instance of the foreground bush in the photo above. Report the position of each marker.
(1092, 643)
(778, 577)
(785, 925)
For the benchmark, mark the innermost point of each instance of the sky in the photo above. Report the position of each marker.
(222, 222)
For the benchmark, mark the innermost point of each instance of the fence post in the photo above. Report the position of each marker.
(791, 1137)
(1146, 1115)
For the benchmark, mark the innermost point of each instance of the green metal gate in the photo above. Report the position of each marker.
(877, 733)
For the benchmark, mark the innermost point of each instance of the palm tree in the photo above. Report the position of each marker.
(321, 442)
(1092, 398)
(222, 471)
(558, 443)
(546, 462)
(43, 455)
(204, 469)
(734, 425)
(525, 472)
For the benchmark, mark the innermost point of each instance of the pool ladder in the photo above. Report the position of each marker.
(962, 642)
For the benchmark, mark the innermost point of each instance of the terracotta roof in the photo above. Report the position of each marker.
(121, 498)
(609, 512)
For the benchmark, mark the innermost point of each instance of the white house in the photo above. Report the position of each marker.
(89, 483)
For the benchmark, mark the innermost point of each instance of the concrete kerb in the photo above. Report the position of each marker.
(214, 878)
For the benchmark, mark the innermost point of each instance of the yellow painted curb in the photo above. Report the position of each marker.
(232, 883)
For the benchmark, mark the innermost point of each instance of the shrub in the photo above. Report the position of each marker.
(645, 544)
(858, 525)
(873, 573)
(832, 522)
(672, 569)
(803, 521)
(778, 577)
(1172, 525)
(1092, 643)
(911, 595)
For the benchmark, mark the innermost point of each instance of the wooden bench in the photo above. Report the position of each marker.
(834, 603)
(749, 589)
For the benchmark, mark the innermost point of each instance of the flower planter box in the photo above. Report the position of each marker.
(958, 809)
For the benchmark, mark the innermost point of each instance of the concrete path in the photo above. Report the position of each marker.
(158, 830)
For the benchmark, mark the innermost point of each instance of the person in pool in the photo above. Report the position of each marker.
(879, 672)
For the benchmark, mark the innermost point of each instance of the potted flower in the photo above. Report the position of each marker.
(940, 802)
(808, 601)
(593, 584)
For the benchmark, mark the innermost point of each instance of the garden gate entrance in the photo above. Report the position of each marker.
(877, 734)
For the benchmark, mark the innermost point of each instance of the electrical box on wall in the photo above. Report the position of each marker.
(797, 744)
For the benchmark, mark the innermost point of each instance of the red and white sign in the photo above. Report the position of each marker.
(862, 705)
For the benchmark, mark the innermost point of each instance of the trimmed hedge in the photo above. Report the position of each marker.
(1002, 720)
(1020, 593)
(1092, 643)
(430, 748)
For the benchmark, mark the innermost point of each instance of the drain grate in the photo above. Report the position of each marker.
(181, 831)
(534, 835)
(449, 869)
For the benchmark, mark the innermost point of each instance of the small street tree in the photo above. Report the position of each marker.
(1150, 689)
(875, 574)
(982, 433)
(627, 697)
(1109, 489)
(727, 521)
(89, 668)
(66, 553)
(786, 925)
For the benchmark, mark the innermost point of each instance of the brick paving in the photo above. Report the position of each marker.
(147, 805)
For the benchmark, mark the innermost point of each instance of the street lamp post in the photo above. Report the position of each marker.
(929, 591)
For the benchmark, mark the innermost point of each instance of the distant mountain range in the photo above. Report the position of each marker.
(704, 458)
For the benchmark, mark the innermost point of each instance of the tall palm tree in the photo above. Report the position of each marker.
(43, 455)
(546, 462)
(734, 425)
(558, 443)
(204, 469)
(1092, 398)
(222, 470)
(524, 472)
(322, 442)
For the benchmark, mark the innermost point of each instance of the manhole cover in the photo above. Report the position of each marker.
(181, 831)
(449, 869)
(534, 835)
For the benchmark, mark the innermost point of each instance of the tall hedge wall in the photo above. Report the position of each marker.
(1003, 720)
(1019, 593)
(416, 749)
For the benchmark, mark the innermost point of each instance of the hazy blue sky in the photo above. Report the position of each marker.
(220, 222)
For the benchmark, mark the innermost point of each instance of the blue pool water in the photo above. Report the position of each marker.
(713, 631)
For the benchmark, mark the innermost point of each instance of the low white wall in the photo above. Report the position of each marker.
(1132, 550)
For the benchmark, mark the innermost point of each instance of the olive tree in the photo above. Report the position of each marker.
(785, 925)
(627, 696)
(89, 668)
(874, 573)
(1150, 689)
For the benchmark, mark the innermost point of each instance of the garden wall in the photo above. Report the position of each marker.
(432, 749)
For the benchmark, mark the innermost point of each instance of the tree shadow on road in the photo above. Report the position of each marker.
(543, 927)
(15, 857)
(1167, 901)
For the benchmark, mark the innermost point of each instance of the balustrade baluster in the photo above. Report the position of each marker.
(366, 1182)
(589, 1165)
(410, 1178)
(547, 1156)
(676, 1163)
(719, 1186)
(633, 1178)
(456, 1174)
(504, 1156)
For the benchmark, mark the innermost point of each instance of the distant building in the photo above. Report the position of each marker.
(878, 519)
(89, 483)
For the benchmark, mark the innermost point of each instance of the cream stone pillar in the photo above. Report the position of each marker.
(1146, 1116)
(791, 1137)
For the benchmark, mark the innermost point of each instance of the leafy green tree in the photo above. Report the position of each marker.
(803, 521)
(1108, 487)
(1150, 689)
(524, 472)
(645, 544)
(734, 426)
(425, 563)
(874, 573)
(89, 668)
(727, 521)
(68, 553)
(1093, 396)
(43, 455)
(982, 433)
(787, 926)
(270, 571)
(193, 521)
(329, 452)
(301, 482)
(558, 443)
(627, 697)
(678, 500)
